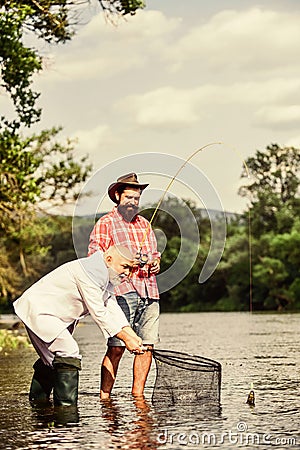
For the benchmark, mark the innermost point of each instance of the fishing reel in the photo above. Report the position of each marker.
(141, 258)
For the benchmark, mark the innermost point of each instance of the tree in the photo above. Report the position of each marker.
(49, 20)
(121, 7)
(36, 172)
(234, 269)
(274, 184)
(274, 209)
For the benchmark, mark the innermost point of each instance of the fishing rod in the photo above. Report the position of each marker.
(143, 258)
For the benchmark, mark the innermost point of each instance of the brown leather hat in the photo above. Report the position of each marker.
(130, 179)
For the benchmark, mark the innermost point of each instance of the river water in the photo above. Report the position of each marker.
(254, 349)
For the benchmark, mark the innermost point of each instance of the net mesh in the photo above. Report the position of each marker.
(185, 379)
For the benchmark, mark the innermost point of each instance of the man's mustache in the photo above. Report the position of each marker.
(128, 211)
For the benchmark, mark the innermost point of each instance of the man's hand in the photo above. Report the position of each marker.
(155, 267)
(131, 340)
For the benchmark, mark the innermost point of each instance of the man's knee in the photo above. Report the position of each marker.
(115, 352)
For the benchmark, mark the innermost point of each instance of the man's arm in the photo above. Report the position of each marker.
(131, 340)
(110, 317)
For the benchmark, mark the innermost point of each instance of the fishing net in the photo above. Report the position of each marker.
(185, 379)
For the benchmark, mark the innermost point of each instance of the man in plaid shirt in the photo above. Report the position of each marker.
(137, 296)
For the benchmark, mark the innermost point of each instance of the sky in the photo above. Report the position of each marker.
(147, 92)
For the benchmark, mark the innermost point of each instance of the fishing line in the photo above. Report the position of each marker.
(249, 176)
(250, 261)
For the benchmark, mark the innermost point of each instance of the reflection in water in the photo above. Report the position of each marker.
(187, 417)
(47, 415)
(141, 433)
(55, 427)
(65, 415)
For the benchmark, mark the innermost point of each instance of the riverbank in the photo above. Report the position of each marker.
(12, 334)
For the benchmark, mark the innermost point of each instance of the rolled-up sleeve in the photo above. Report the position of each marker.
(109, 317)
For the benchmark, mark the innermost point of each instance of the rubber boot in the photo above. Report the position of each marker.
(66, 378)
(42, 382)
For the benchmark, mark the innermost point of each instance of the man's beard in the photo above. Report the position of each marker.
(115, 278)
(128, 212)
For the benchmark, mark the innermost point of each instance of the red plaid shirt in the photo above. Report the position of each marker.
(112, 229)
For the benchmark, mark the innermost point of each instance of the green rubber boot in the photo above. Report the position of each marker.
(66, 378)
(42, 382)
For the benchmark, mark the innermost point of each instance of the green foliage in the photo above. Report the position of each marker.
(235, 269)
(122, 7)
(274, 210)
(9, 278)
(274, 185)
(50, 20)
(36, 169)
(46, 242)
(18, 64)
(10, 340)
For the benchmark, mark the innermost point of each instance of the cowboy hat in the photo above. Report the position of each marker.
(130, 179)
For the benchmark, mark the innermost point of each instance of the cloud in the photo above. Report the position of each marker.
(94, 141)
(253, 40)
(165, 106)
(144, 24)
(248, 42)
(287, 116)
(173, 107)
(92, 53)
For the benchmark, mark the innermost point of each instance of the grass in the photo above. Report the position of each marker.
(10, 340)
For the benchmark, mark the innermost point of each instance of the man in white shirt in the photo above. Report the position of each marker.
(52, 307)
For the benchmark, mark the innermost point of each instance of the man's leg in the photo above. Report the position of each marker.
(109, 370)
(66, 379)
(128, 303)
(57, 367)
(141, 367)
(42, 383)
(66, 365)
(146, 324)
(43, 377)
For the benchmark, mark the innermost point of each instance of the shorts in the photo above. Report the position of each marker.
(143, 316)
